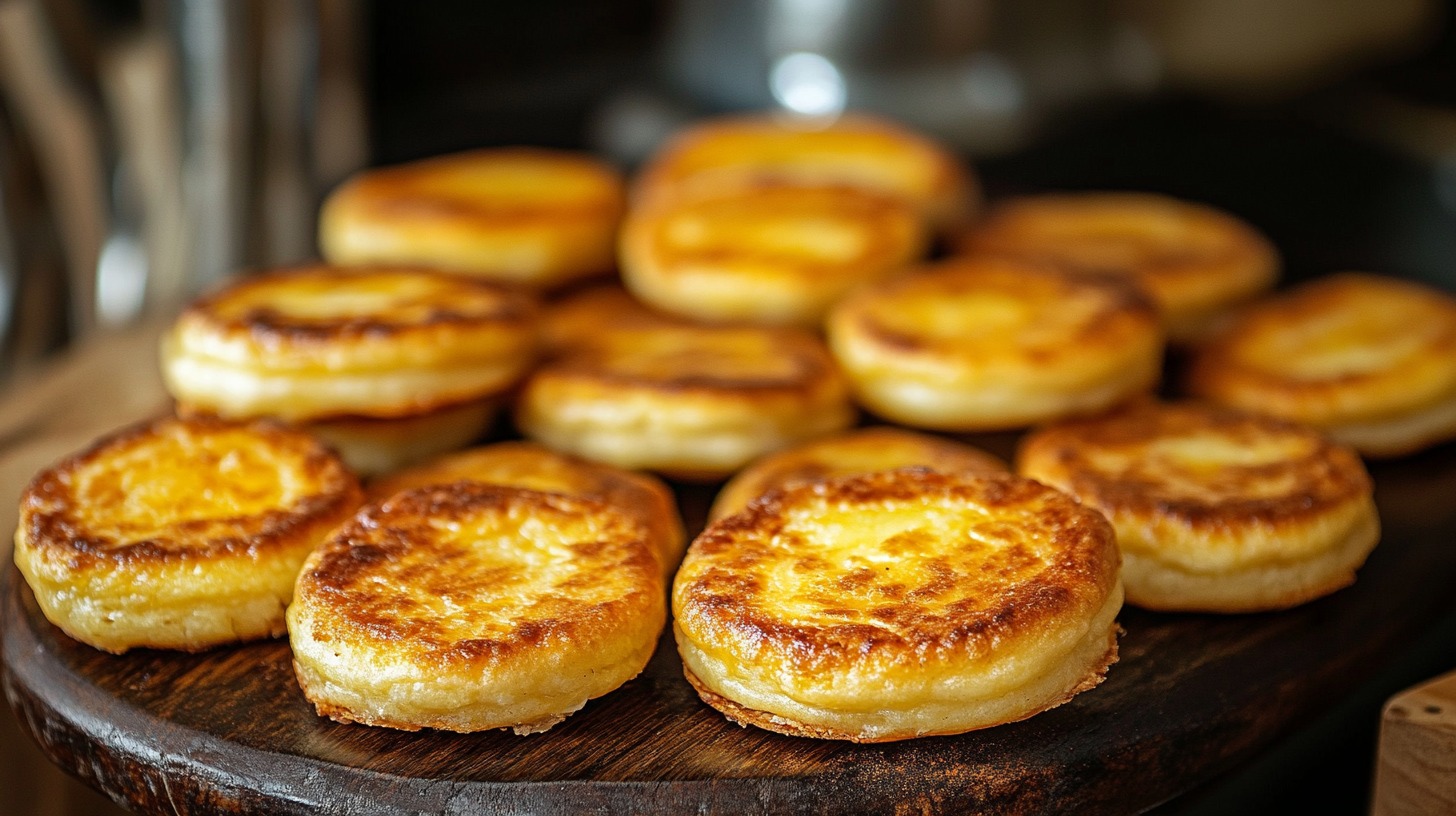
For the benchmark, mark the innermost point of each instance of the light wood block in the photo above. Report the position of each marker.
(1415, 769)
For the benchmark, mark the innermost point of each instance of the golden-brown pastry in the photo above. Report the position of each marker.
(179, 534)
(856, 149)
(526, 216)
(696, 402)
(581, 317)
(401, 361)
(1369, 360)
(469, 606)
(898, 604)
(994, 344)
(528, 465)
(866, 450)
(1195, 261)
(1216, 510)
(769, 254)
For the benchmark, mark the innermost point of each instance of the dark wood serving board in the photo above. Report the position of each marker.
(229, 731)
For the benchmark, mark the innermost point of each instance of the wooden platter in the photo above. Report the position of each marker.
(229, 732)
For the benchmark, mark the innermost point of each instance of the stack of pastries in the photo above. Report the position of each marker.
(762, 288)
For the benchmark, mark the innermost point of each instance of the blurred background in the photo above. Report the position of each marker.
(150, 147)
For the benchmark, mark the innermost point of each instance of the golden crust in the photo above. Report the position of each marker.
(773, 254)
(314, 342)
(901, 603)
(866, 450)
(518, 215)
(179, 533)
(1217, 503)
(581, 317)
(692, 401)
(1369, 360)
(469, 606)
(995, 343)
(1197, 262)
(528, 465)
(859, 150)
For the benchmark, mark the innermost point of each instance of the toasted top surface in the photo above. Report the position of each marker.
(1346, 347)
(857, 149)
(702, 359)
(581, 317)
(313, 316)
(813, 231)
(185, 488)
(497, 188)
(976, 315)
(471, 573)
(866, 450)
(906, 567)
(1210, 468)
(1169, 244)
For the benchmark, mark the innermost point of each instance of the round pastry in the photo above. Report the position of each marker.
(179, 533)
(468, 607)
(421, 354)
(695, 402)
(994, 344)
(867, 450)
(1195, 261)
(856, 150)
(528, 465)
(1369, 360)
(1216, 510)
(581, 317)
(898, 604)
(526, 216)
(772, 254)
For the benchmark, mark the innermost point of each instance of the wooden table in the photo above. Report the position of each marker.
(229, 732)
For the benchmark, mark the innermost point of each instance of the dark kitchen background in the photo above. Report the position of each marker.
(149, 147)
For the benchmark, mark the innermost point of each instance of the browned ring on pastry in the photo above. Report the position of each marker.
(1195, 261)
(696, 402)
(898, 604)
(1367, 359)
(1215, 509)
(179, 533)
(520, 215)
(467, 607)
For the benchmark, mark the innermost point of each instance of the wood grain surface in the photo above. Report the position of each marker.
(1416, 771)
(1193, 695)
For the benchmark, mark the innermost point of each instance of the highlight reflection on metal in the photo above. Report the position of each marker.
(808, 84)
